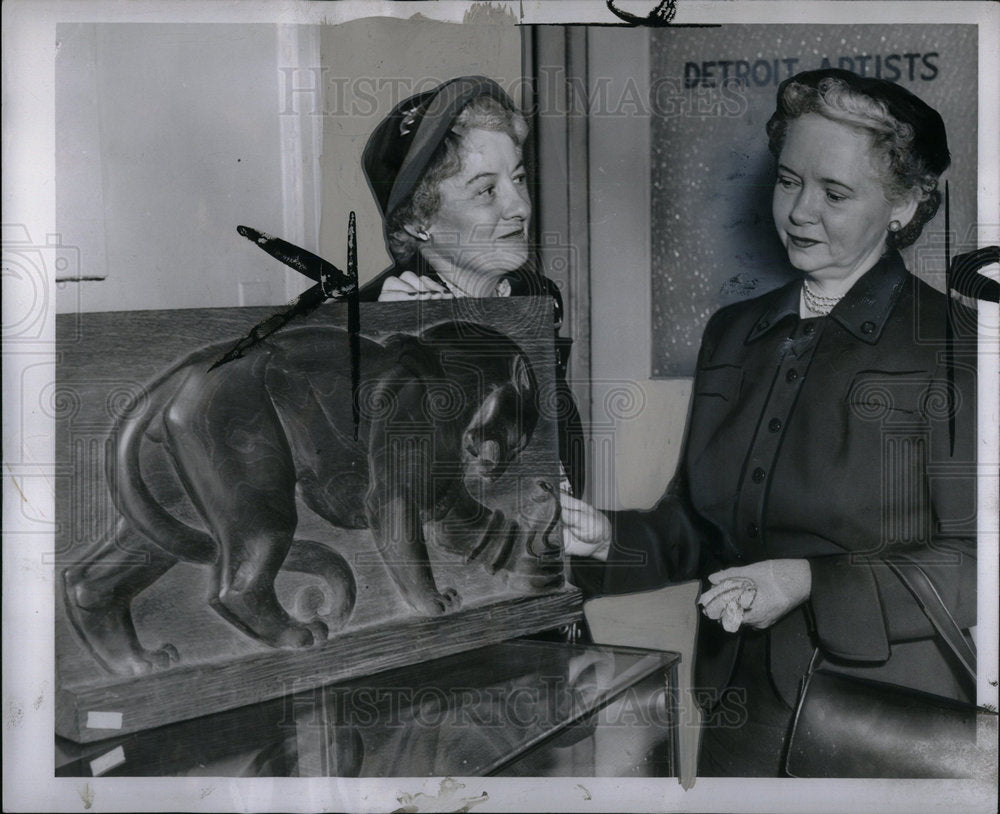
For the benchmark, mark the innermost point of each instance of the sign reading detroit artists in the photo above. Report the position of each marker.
(711, 93)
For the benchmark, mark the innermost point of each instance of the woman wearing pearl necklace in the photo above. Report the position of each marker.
(830, 433)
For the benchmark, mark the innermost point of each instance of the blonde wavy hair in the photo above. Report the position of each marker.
(484, 113)
(901, 169)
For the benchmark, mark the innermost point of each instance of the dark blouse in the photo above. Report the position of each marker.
(832, 439)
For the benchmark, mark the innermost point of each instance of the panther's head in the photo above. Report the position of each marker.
(502, 425)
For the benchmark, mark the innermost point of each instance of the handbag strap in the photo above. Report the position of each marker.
(919, 584)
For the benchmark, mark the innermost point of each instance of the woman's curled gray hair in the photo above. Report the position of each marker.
(901, 167)
(484, 113)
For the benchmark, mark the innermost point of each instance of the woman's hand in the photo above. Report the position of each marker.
(757, 595)
(408, 286)
(586, 531)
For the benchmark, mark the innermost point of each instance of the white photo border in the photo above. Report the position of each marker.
(28, 665)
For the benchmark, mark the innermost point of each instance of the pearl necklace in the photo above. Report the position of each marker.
(817, 303)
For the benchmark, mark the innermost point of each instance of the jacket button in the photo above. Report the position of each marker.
(809, 328)
(792, 375)
(774, 424)
(752, 530)
(758, 475)
(868, 327)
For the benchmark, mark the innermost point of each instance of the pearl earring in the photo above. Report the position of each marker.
(895, 226)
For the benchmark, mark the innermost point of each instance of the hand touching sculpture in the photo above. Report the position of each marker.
(586, 531)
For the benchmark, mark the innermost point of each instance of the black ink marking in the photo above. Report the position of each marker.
(336, 283)
(965, 276)
(949, 336)
(332, 284)
(354, 320)
(306, 302)
(662, 15)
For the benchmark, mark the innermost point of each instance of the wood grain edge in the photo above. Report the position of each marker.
(190, 692)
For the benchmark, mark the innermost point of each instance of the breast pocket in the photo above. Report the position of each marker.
(719, 382)
(891, 396)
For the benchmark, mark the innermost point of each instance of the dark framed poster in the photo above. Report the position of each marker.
(714, 243)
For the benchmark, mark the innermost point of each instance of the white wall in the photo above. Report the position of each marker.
(168, 137)
(638, 423)
(368, 67)
(171, 135)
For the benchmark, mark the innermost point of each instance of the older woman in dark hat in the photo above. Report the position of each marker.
(447, 169)
(830, 433)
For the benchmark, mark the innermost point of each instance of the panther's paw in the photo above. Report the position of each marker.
(162, 658)
(301, 636)
(439, 602)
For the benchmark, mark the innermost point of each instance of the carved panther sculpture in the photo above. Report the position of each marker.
(437, 413)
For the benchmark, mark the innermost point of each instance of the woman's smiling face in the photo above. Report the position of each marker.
(829, 203)
(482, 223)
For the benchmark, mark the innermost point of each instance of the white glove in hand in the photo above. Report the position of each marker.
(727, 600)
(781, 585)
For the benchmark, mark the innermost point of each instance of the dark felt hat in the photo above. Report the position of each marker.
(399, 150)
(930, 139)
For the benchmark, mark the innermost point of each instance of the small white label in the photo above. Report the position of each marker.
(104, 720)
(105, 763)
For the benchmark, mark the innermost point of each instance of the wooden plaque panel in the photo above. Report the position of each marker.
(103, 361)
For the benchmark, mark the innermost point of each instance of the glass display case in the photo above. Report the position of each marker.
(519, 708)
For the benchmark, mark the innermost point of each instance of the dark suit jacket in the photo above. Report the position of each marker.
(835, 440)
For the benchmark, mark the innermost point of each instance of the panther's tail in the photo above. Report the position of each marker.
(129, 491)
(308, 557)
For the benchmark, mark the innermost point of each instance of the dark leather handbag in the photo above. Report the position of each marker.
(853, 727)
